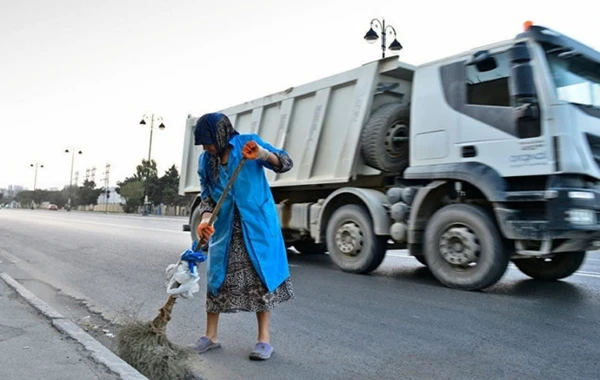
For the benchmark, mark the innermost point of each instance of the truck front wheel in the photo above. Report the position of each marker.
(351, 241)
(551, 268)
(194, 223)
(464, 249)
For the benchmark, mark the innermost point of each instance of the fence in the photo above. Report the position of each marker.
(155, 210)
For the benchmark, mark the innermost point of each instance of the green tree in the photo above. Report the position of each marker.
(146, 168)
(169, 188)
(148, 174)
(132, 192)
(58, 198)
(25, 197)
(88, 194)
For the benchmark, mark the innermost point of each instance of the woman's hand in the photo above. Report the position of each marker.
(252, 151)
(205, 231)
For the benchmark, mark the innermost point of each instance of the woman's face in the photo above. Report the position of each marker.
(210, 148)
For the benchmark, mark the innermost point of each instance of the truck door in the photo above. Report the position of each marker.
(500, 123)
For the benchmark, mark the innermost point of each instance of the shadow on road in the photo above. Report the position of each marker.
(557, 292)
(561, 292)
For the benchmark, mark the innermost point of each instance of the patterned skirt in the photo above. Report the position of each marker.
(242, 289)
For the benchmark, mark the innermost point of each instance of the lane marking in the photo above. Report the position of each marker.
(398, 255)
(112, 225)
(111, 215)
(582, 273)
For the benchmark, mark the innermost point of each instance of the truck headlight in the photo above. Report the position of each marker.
(581, 195)
(581, 217)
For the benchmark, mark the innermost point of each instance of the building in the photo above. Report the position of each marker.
(112, 204)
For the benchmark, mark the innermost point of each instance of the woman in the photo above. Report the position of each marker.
(247, 268)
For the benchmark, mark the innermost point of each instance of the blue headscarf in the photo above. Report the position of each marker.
(213, 129)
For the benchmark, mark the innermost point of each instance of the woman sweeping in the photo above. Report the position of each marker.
(247, 268)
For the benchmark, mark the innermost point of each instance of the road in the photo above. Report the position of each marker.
(397, 323)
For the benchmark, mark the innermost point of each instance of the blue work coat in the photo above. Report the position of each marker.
(260, 222)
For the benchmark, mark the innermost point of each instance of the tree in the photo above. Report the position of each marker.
(58, 198)
(169, 188)
(163, 190)
(25, 197)
(88, 194)
(133, 192)
(146, 168)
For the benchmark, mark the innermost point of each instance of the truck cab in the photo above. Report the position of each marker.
(515, 139)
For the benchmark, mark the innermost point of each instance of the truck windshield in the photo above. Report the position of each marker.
(577, 78)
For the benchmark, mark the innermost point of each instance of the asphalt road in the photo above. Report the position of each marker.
(397, 323)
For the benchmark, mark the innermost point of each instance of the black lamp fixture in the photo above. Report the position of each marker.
(371, 36)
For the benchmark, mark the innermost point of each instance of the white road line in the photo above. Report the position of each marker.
(408, 256)
(111, 225)
(586, 275)
(512, 266)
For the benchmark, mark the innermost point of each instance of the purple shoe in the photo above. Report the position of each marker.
(204, 344)
(261, 351)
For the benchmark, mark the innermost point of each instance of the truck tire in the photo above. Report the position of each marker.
(194, 223)
(351, 241)
(310, 247)
(553, 268)
(458, 236)
(378, 148)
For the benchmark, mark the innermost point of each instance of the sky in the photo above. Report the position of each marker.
(81, 74)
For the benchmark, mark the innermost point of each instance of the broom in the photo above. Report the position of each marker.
(144, 345)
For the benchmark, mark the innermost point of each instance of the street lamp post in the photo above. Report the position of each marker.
(372, 36)
(158, 119)
(36, 166)
(72, 151)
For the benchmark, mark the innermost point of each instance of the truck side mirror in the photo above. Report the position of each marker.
(523, 92)
(522, 85)
(528, 111)
(483, 61)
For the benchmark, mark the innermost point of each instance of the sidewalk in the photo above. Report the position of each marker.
(36, 342)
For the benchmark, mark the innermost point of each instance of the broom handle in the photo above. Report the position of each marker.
(222, 199)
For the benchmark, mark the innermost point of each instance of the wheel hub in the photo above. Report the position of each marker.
(458, 246)
(349, 239)
(395, 139)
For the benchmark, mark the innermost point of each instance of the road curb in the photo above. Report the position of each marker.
(97, 351)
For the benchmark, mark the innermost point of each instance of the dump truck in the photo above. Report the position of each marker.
(469, 162)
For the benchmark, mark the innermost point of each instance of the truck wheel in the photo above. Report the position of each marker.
(551, 268)
(310, 247)
(351, 241)
(381, 147)
(194, 223)
(464, 249)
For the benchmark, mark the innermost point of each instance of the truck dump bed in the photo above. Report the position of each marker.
(319, 124)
